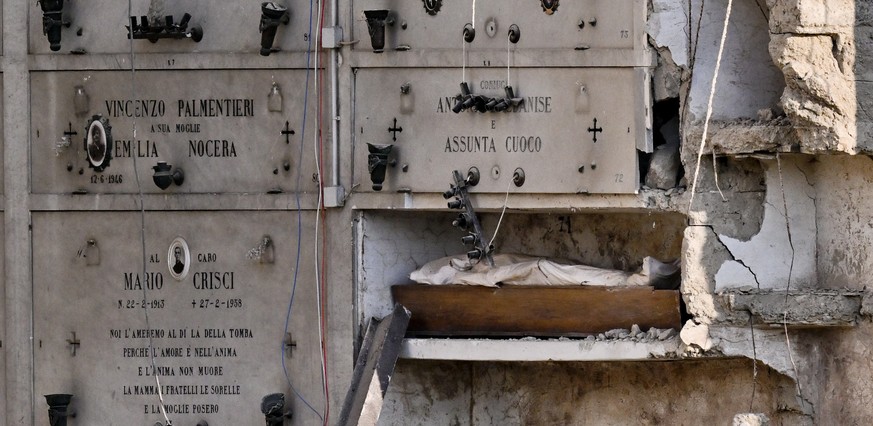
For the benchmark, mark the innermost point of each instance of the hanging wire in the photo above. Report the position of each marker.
(727, 19)
(464, 45)
(502, 212)
(299, 226)
(319, 277)
(508, 83)
(142, 227)
(463, 58)
(754, 362)
(788, 284)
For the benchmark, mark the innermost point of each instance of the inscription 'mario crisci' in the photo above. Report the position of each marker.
(157, 108)
(195, 349)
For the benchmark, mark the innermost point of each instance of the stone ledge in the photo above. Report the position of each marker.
(741, 137)
(530, 349)
(801, 308)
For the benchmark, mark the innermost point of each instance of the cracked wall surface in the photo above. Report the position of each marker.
(643, 393)
(767, 259)
(820, 51)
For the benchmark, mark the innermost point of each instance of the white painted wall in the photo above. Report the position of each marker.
(769, 253)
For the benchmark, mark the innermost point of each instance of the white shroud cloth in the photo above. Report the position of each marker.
(527, 270)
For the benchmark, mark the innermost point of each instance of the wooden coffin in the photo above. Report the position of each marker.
(459, 310)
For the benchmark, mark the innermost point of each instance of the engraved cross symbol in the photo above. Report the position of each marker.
(394, 129)
(287, 132)
(70, 132)
(290, 344)
(74, 343)
(595, 129)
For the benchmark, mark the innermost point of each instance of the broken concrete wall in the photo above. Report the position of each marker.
(748, 80)
(769, 258)
(820, 201)
(643, 393)
(845, 392)
(813, 43)
(844, 240)
(844, 216)
(726, 247)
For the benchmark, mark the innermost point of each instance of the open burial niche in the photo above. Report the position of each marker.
(391, 245)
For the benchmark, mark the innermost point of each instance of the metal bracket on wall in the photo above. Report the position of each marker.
(52, 21)
(156, 31)
(468, 219)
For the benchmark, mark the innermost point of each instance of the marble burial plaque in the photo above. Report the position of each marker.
(100, 26)
(217, 289)
(544, 24)
(227, 130)
(573, 131)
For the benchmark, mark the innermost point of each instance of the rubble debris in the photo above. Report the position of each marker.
(664, 169)
(765, 114)
(751, 419)
(694, 334)
(665, 334)
(634, 334)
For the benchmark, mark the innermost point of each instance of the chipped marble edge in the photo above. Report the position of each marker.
(538, 350)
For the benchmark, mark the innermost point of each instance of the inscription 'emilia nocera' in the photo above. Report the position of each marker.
(194, 108)
(210, 148)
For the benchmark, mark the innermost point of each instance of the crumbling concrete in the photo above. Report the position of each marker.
(734, 206)
(602, 393)
(815, 308)
(819, 96)
(744, 137)
(813, 43)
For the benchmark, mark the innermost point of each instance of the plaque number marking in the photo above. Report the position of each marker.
(595, 129)
(394, 130)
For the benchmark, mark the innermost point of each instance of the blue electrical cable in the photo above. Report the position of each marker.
(299, 221)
